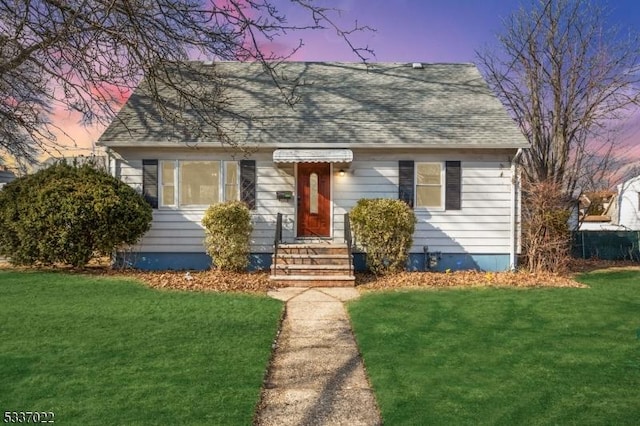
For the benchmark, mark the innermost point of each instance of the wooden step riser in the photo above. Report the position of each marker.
(333, 283)
(282, 267)
(312, 272)
(309, 261)
(315, 250)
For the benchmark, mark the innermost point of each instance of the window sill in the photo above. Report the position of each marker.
(182, 208)
(429, 209)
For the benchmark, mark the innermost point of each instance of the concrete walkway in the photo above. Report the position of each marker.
(317, 376)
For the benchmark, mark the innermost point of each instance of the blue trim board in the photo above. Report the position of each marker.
(462, 261)
(259, 261)
(152, 261)
(453, 261)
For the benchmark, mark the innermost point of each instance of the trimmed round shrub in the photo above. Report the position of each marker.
(384, 229)
(69, 214)
(228, 231)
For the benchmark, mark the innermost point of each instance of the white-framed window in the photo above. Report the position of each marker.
(231, 181)
(167, 180)
(197, 183)
(429, 185)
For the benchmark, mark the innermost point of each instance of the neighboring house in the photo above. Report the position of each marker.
(596, 210)
(6, 176)
(621, 212)
(433, 135)
(597, 223)
(627, 205)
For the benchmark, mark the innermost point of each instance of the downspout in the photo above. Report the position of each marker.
(515, 180)
(110, 168)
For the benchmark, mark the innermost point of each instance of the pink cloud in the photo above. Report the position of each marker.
(115, 95)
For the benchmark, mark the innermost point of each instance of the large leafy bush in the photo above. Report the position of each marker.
(228, 230)
(384, 228)
(69, 214)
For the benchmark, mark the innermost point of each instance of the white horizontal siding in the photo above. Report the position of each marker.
(130, 172)
(270, 179)
(481, 226)
(180, 230)
(629, 204)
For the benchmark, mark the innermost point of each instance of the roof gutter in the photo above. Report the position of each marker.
(312, 145)
(515, 204)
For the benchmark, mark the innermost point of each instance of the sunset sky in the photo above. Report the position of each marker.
(407, 31)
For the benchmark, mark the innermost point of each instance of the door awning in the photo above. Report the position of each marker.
(312, 156)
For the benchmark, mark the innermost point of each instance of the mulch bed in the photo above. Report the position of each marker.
(368, 282)
(521, 279)
(258, 282)
(253, 282)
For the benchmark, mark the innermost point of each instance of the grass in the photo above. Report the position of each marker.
(110, 351)
(503, 356)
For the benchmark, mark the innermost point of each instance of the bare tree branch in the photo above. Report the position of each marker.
(566, 78)
(90, 54)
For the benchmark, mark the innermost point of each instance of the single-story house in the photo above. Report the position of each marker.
(433, 135)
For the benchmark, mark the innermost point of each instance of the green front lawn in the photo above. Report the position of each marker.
(111, 351)
(502, 356)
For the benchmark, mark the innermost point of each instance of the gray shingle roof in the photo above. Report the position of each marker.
(342, 105)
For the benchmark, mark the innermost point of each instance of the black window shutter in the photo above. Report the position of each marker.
(454, 186)
(248, 183)
(150, 182)
(405, 182)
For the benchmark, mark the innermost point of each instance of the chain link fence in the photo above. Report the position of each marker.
(606, 245)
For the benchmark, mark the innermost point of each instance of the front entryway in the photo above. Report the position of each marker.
(314, 200)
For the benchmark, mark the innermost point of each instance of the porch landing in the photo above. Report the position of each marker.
(313, 264)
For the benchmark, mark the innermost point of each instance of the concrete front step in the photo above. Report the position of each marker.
(315, 280)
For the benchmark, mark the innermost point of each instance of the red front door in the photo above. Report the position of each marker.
(314, 196)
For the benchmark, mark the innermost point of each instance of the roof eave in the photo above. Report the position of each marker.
(317, 145)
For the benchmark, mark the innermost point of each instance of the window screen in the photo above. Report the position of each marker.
(167, 181)
(429, 184)
(231, 184)
(199, 182)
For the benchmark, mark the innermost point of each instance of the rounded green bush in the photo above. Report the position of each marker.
(384, 229)
(228, 231)
(69, 214)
